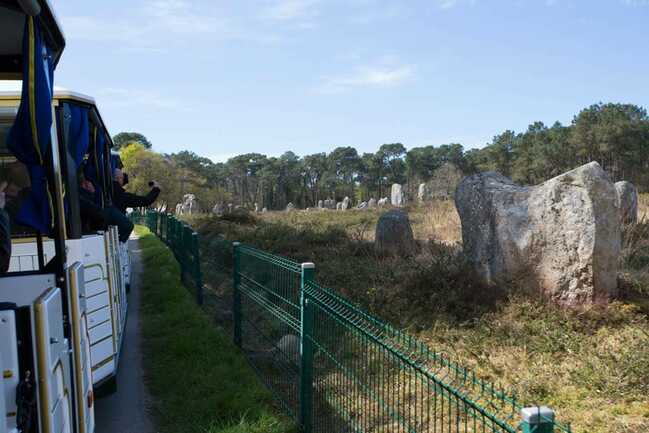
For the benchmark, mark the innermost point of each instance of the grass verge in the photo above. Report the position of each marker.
(198, 379)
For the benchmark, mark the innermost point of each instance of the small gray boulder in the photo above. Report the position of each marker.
(394, 233)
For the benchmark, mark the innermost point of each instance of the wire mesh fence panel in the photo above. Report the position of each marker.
(370, 377)
(268, 288)
(333, 367)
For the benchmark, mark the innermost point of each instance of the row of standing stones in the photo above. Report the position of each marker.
(562, 238)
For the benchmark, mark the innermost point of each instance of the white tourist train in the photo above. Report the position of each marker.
(63, 302)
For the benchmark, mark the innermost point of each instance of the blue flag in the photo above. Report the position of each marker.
(29, 138)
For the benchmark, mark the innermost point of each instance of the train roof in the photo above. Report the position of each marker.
(12, 13)
(12, 89)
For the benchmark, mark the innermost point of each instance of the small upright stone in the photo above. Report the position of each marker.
(320, 204)
(290, 207)
(346, 203)
(219, 209)
(422, 193)
(371, 203)
(627, 200)
(383, 202)
(256, 208)
(339, 205)
(394, 233)
(397, 197)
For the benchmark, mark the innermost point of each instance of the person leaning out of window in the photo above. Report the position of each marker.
(123, 199)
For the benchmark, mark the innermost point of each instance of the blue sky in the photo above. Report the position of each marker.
(222, 78)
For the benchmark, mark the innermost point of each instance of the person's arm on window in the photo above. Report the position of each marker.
(133, 200)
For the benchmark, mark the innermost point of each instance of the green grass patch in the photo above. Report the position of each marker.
(591, 365)
(198, 379)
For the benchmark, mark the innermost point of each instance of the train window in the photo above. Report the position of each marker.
(16, 175)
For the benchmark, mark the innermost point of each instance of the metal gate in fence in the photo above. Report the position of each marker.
(335, 368)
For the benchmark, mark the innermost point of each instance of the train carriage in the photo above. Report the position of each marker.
(63, 303)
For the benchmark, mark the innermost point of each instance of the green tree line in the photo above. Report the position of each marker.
(615, 135)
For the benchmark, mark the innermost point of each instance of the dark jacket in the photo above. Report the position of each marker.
(91, 214)
(5, 242)
(123, 199)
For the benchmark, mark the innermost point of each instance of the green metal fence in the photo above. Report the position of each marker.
(335, 368)
(183, 241)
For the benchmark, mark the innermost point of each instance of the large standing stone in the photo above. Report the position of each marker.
(561, 237)
(320, 204)
(394, 233)
(371, 203)
(256, 208)
(627, 199)
(346, 203)
(397, 197)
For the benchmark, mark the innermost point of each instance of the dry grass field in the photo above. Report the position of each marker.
(591, 365)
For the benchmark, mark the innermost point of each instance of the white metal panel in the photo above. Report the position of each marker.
(95, 287)
(53, 363)
(97, 302)
(103, 371)
(81, 349)
(98, 317)
(24, 255)
(99, 333)
(102, 350)
(9, 368)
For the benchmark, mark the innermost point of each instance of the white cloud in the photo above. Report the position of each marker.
(154, 26)
(636, 2)
(446, 4)
(367, 76)
(113, 97)
(290, 10)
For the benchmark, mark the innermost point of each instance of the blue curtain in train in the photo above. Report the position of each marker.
(78, 133)
(29, 137)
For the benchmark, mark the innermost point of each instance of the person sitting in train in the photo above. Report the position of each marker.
(91, 214)
(5, 233)
(98, 218)
(123, 199)
(17, 187)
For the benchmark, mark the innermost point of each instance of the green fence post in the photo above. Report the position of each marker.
(538, 419)
(306, 350)
(236, 294)
(198, 276)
